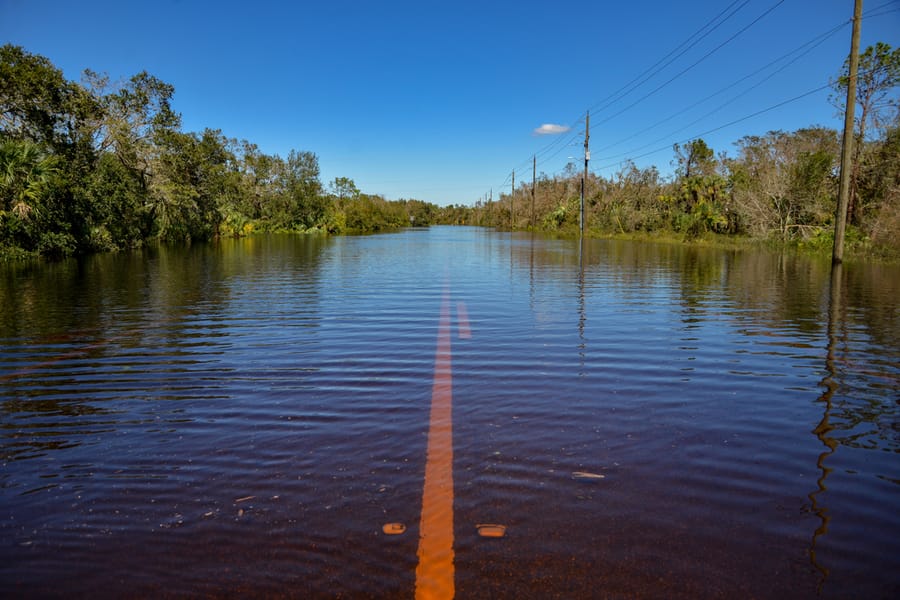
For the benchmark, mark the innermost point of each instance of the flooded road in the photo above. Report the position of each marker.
(644, 420)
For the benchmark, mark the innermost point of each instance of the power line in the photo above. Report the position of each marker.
(569, 134)
(881, 14)
(726, 125)
(609, 99)
(694, 64)
(879, 7)
(628, 155)
(562, 142)
(711, 25)
(723, 126)
(662, 63)
(806, 48)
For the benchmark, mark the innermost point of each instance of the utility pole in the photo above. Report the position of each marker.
(533, 178)
(491, 202)
(512, 193)
(587, 157)
(840, 218)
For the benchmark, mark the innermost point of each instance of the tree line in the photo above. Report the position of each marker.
(93, 166)
(780, 186)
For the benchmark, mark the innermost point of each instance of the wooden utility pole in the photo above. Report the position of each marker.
(587, 157)
(511, 194)
(533, 179)
(840, 217)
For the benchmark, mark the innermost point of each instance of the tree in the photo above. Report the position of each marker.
(122, 212)
(134, 116)
(877, 102)
(190, 184)
(700, 190)
(344, 187)
(33, 97)
(25, 174)
(302, 202)
(630, 200)
(258, 174)
(879, 181)
(694, 158)
(783, 182)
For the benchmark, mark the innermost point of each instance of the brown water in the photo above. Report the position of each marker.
(243, 418)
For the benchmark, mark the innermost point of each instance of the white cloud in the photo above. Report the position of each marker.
(550, 129)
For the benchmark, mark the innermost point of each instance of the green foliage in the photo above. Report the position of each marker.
(879, 189)
(307, 205)
(120, 202)
(56, 245)
(35, 98)
(25, 177)
(780, 186)
(878, 76)
(369, 214)
(694, 158)
(633, 200)
(783, 184)
(705, 216)
(877, 103)
(91, 166)
(700, 193)
(344, 187)
(420, 213)
(557, 218)
(95, 167)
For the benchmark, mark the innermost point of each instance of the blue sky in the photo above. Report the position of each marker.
(440, 100)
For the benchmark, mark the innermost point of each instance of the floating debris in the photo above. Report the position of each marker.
(491, 530)
(393, 528)
(244, 499)
(587, 476)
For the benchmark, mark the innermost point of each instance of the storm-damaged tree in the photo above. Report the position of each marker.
(877, 103)
(783, 184)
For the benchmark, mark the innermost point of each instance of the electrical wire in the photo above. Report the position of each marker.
(879, 7)
(560, 143)
(881, 14)
(803, 50)
(652, 70)
(662, 63)
(726, 125)
(694, 64)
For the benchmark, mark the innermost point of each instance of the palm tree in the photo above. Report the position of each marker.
(25, 176)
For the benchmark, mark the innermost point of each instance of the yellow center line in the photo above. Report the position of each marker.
(434, 573)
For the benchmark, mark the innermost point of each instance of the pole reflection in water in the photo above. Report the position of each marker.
(581, 314)
(824, 428)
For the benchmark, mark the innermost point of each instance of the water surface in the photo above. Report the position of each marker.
(242, 418)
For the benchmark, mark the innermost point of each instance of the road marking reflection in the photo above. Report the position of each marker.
(462, 316)
(435, 571)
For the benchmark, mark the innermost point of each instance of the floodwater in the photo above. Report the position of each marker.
(244, 418)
